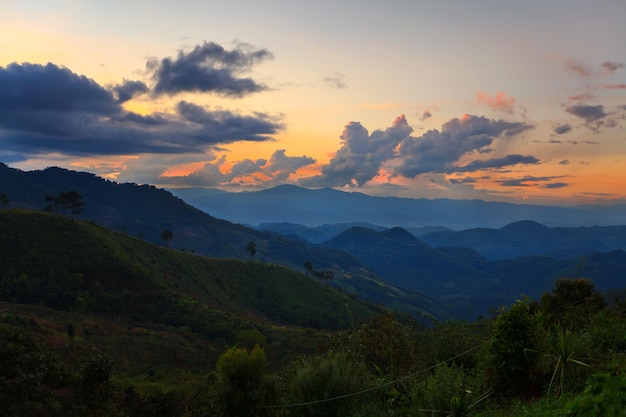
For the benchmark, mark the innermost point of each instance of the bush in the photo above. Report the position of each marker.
(333, 375)
(604, 395)
(511, 370)
(243, 382)
(449, 391)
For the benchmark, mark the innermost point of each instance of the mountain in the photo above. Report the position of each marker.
(64, 264)
(317, 234)
(145, 211)
(314, 207)
(531, 238)
(462, 278)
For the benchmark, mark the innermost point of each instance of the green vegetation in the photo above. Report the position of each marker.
(166, 236)
(66, 200)
(97, 323)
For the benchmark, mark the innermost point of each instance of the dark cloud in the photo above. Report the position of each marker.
(437, 151)
(208, 68)
(562, 129)
(361, 155)
(245, 168)
(612, 66)
(336, 81)
(496, 163)
(587, 112)
(555, 185)
(47, 108)
(50, 88)
(466, 180)
(224, 126)
(564, 162)
(128, 89)
(526, 181)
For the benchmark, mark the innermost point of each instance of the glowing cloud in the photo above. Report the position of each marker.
(500, 102)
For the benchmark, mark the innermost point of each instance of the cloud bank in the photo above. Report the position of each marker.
(363, 155)
(50, 109)
(208, 68)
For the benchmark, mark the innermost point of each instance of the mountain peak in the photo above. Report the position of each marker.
(524, 226)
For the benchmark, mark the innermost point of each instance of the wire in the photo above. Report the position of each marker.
(395, 381)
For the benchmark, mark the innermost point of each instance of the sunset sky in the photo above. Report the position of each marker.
(498, 100)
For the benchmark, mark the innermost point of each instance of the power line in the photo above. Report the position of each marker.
(395, 381)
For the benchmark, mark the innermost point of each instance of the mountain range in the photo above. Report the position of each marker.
(438, 274)
(314, 207)
(144, 211)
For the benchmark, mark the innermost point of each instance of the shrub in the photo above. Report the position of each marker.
(243, 382)
(332, 375)
(604, 395)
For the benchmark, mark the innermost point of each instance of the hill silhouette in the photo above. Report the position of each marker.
(525, 238)
(462, 278)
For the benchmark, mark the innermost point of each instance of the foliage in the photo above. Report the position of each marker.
(510, 368)
(243, 382)
(167, 235)
(251, 248)
(95, 390)
(571, 303)
(604, 395)
(386, 346)
(94, 270)
(449, 391)
(4, 199)
(563, 350)
(327, 385)
(67, 200)
(30, 376)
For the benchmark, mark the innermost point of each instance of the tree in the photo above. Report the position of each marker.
(251, 248)
(563, 350)
(4, 199)
(571, 303)
(515, 331)
(167, 235)
(334, 375)
(243, 382)
(308, 266)
(72, 201)
(67, 200)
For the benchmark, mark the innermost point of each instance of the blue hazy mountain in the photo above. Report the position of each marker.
(314, 207)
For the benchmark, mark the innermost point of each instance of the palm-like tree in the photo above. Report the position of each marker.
(167, 235)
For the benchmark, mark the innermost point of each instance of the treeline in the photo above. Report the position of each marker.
(534, 358)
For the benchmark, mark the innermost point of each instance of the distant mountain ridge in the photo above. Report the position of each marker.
(525, 238)
(314, 207)
(465, 280)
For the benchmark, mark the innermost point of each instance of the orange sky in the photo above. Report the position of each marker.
(388, 99)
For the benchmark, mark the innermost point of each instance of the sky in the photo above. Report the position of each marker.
(519, 101)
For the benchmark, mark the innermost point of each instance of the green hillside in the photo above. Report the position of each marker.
(96, 323)
(144, 212)
(50, 260)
